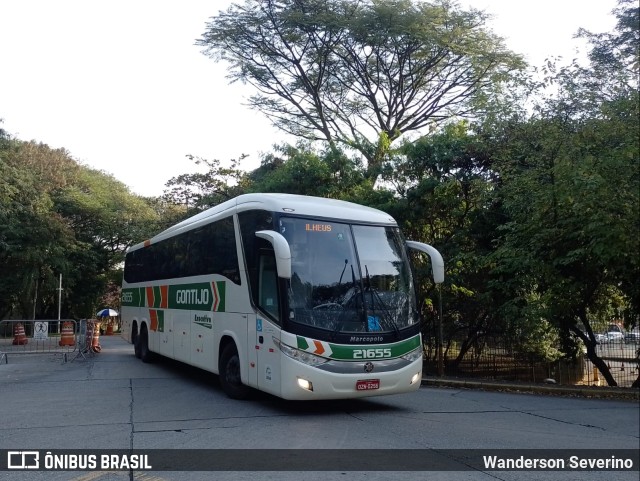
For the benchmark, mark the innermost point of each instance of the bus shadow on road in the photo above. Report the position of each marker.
(330, 407)
(197, 376)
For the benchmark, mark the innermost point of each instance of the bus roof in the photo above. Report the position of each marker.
(287, 203)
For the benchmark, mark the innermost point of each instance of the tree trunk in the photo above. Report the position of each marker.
(589, 341)
(599, 363)
(465, 346)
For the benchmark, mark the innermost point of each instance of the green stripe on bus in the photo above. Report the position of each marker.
(302, 343)
(201, 296)
(374, 351)
(157, 296)
(365, 351)
(134, 297)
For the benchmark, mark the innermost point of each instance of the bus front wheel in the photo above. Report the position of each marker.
(230, 379)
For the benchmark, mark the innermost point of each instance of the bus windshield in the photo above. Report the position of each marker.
(348, 278)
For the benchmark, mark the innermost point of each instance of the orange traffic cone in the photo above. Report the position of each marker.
(66, 335)
(95, 342)
(19, 339)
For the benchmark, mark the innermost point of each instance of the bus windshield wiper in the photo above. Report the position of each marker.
(349, 296)
(346, 263)
(384, 308)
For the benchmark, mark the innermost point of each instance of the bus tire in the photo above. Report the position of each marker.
(136, 344)
(230, 379)
(143, 339)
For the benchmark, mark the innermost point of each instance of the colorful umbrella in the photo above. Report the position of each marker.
(107, 313)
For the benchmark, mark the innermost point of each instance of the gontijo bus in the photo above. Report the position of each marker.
(301, 297)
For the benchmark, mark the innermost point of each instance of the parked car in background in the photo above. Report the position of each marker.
(609, 336)
(600, 338)
(614, 336)
(632, 336)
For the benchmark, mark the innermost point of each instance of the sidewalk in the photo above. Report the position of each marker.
(626, 394)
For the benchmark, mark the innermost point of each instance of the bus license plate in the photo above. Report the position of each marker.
(367, 384)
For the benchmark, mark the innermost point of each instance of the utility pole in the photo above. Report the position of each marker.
(440, 356)
(60, 297)
(35, 299)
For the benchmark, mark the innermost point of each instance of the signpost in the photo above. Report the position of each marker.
(40, 330)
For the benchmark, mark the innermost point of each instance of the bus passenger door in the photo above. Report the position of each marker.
(268, 355)
(268, 362)
(252, 349)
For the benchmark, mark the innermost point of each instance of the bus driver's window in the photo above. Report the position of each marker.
(268, 284)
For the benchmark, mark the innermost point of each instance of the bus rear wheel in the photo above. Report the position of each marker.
(143, 340)
(136, 343)
(230, 379)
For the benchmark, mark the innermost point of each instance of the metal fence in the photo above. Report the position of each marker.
(18, 337)
(498, 359)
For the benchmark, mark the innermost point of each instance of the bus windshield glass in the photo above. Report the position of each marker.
(348, 278)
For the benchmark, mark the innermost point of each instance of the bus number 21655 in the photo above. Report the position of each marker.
(371, 353)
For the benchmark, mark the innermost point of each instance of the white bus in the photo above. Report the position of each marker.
(302, 297)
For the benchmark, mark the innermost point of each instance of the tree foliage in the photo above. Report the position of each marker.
(32, 241)
(58, 217)
(570, 184)
(443, 185)
(358, 73)
(200, 190)
(301, 170)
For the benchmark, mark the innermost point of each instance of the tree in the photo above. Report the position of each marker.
(102, 212)
(300, 170)
(33, 243)
(572, 197)
(57, 217)
(201, 190)
(443, 184)
(616, 54)
(570, 184)
(358, 73)
(106, 219)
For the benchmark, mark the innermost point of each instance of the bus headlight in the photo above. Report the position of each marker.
(304, 384)
(413, 355)
(298, 355)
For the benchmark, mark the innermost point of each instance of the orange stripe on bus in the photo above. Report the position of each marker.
(153, 314)
(164, 296)
(150, 296)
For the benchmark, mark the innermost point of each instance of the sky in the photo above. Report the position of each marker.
(121, 85)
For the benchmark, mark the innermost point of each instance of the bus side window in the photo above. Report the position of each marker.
(268, 283)
(257, 251)
(211, 250)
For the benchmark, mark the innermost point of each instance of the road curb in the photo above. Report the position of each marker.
(590, 392)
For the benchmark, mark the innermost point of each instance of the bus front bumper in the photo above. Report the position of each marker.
(300, 381)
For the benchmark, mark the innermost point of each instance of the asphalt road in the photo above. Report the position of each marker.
(114, 401)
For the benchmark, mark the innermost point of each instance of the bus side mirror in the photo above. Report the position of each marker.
(437, 263)
(281, 249)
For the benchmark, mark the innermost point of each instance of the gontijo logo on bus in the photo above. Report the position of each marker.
(197, 297)
(202, 296)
